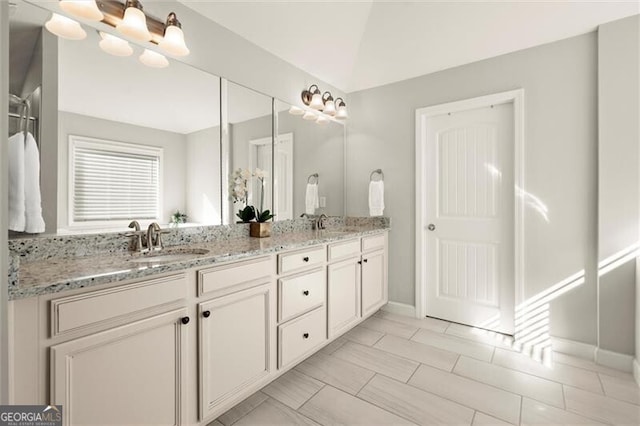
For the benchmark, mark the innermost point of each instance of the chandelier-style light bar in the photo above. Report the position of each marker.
(322, 106)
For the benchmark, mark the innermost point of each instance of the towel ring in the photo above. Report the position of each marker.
(376, 172)
(311, 177)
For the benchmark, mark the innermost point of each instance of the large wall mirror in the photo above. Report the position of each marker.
(119, 140)
(309, 164)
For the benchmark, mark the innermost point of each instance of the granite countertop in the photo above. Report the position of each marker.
(54, 275)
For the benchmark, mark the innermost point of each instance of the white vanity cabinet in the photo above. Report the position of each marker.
(343, 286)
(374, 288)
(121, 371)
(302, 318)
(236, 343)
(131, 374)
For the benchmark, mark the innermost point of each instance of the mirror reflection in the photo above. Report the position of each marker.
(247, 150)
(118, 140)
(309, 165)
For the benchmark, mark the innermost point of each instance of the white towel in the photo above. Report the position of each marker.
(34, 223)
(16, 183)
(376, 198)
(311, 200)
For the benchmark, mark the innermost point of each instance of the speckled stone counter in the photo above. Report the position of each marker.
(45, 265)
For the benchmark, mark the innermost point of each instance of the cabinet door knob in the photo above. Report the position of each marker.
(306, 292)
(206, 314)
(359, 262)
(185, 320)
(431, 227)
(305, 336)
(305, 259)
(365, 260)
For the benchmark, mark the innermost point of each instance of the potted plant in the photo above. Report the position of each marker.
(258, 218)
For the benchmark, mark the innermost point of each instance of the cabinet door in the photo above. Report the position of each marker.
(237, 345)
(343, 295)
(127, 375)
(374, 288)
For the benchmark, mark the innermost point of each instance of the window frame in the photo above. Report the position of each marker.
(116, 146)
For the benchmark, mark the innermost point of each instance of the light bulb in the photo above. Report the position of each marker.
(134, 23)
(316, 101)
(173, 40)
(115, 45)
(342, 109)
(329, 108)
(322, 119)
(153, 59)
(65, 27)
(308, 115)
(87, 9)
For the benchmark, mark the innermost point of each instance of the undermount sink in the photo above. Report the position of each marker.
(169, 256)
(336, 232)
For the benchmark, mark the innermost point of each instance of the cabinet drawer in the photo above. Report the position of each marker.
(307, 258)
(373, 242)
(300, 293)
(300, 336)
(233, 274)
(345, 249)
(89, 309)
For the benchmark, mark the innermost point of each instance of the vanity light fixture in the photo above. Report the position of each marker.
(134, 22)
(173, 40)
(115, 45)
(313, 98)
(341, 111)
(153, 59)
(329, 105)
(324, 103)
(65, 27)
(87, 9)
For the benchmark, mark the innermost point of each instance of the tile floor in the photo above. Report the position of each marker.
(394, 370)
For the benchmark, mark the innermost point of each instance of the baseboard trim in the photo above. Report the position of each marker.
(636, 371)
(400, 309)
(571, 347)
(622, 362)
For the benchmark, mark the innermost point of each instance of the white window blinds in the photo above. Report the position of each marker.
(112, 181)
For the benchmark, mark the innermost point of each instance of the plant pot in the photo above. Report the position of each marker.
(260, 229)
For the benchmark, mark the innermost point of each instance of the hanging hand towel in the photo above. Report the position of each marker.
(376, 198)
(311, 202)
(34, 223)
(16, 183)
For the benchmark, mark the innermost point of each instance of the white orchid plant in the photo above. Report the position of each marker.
(239, 192)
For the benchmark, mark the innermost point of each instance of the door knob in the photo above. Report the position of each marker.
(206, 314)
(431, 227)
(185, 320)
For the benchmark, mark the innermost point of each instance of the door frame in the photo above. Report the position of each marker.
(515, 97)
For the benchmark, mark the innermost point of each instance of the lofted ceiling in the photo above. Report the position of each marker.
(356, 45)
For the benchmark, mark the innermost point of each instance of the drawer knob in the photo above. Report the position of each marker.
(305, 259)
(305, 336)
(306, 292)
(359, 262)
(185, 320)
(206, 314)
(365, 260)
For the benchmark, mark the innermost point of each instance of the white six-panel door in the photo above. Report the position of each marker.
(469, 212)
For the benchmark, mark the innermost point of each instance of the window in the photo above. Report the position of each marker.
(112, 182)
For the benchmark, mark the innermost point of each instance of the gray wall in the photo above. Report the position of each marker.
(560, 84)
(618, 177)
(174, 157)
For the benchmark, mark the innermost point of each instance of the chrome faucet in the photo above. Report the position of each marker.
(154, 237)
(320, 222)
(138, 244)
